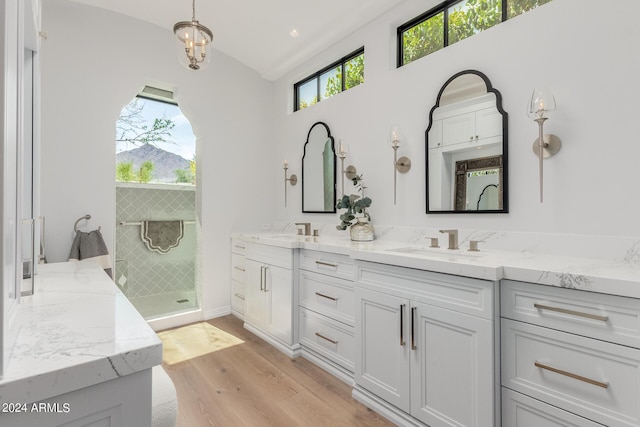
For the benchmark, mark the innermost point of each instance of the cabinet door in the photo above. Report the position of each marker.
(457, 129)
(435, 134)
(452, 368)
(278, 292)
(383, 346)
(488, 123)
(255, 297)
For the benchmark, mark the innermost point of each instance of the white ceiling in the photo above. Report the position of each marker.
(256, 32)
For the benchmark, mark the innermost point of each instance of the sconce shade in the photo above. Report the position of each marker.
(193, 41)
(542, 104)
(395, 136)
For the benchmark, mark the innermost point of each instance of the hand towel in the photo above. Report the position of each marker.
(91, 245)
(161, 236)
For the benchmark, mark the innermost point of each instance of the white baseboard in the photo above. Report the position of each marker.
(291, 351)
(335, 370)
(383, 408)
(217, 312)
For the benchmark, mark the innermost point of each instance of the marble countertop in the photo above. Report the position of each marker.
(75, 331)
(585, 273)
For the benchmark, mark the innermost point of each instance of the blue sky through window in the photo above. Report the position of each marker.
(184, 141)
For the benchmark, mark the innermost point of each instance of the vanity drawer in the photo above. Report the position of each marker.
(238, 246)
(272, 255)
(238, 292)
(460, 294)
(331, 339)
(329, 264)
(327, 295)
(238, 268)
(519, 410)
(593, 378)
(606, 317)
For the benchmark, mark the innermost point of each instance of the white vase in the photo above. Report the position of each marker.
(361, 231)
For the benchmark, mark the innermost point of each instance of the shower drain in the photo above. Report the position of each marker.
(180, 301)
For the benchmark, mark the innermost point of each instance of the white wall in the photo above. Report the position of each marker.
(92, 66)
(585, 51)
(93, 63)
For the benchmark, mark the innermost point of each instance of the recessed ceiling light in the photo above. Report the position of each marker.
(294, 33)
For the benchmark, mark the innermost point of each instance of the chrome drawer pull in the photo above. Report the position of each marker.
(240, 296)
(240, 247)
(413, 331)
(571, 312)
(326, 264)
(570, 375)
(402, 306)
(326, 296)
(318, 334)
(239, 268)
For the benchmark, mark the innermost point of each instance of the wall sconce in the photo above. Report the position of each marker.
(541, 106)
(403, 164)
(293, 180)
(351, 171)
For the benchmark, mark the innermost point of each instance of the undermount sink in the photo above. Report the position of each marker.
(438, 253)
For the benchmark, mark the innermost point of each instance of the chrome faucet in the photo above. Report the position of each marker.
(453, 238)
(307, 227)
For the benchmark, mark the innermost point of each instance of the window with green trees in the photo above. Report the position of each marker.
(452, 21)
(337, 77)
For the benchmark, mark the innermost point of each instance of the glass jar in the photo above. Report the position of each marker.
(362, 230)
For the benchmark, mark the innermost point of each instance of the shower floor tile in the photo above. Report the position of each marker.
(156, 306)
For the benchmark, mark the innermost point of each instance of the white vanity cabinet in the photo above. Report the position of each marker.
(326, 313)
(238, 277)
(270, 299)
(569, 355)
(425, 344)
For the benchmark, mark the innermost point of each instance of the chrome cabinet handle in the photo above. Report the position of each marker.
(571, 375)
(239, 296)
(318, 334)
(402, 306)
(413, 334)
(326, 264)
(262, 278)
(239, 268)
(240, 247)
(571, 312)
(266, 267)
(326, 296)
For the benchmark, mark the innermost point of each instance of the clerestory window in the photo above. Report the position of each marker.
(337, 77)
(452, 21)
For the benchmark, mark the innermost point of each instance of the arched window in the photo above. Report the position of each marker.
(154, 141)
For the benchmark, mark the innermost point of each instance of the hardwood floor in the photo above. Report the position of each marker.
(253, 384)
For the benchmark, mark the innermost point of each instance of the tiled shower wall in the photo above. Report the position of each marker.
(138, 271)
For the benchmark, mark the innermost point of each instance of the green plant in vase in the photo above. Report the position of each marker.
(355, 204)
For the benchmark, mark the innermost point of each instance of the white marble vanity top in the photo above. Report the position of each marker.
(76, 330)
(586, 273)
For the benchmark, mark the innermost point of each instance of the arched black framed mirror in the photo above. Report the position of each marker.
(319, 171)
(466, 147)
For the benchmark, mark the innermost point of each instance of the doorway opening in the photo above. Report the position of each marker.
(156, 237)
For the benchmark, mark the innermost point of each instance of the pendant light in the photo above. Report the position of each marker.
(193, 40)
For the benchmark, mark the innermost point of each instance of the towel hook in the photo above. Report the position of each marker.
(75, 226)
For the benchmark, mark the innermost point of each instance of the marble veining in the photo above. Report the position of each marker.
(605, 264)
(633, 254)
(574, 281)
(77, 330)
(614, 248)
